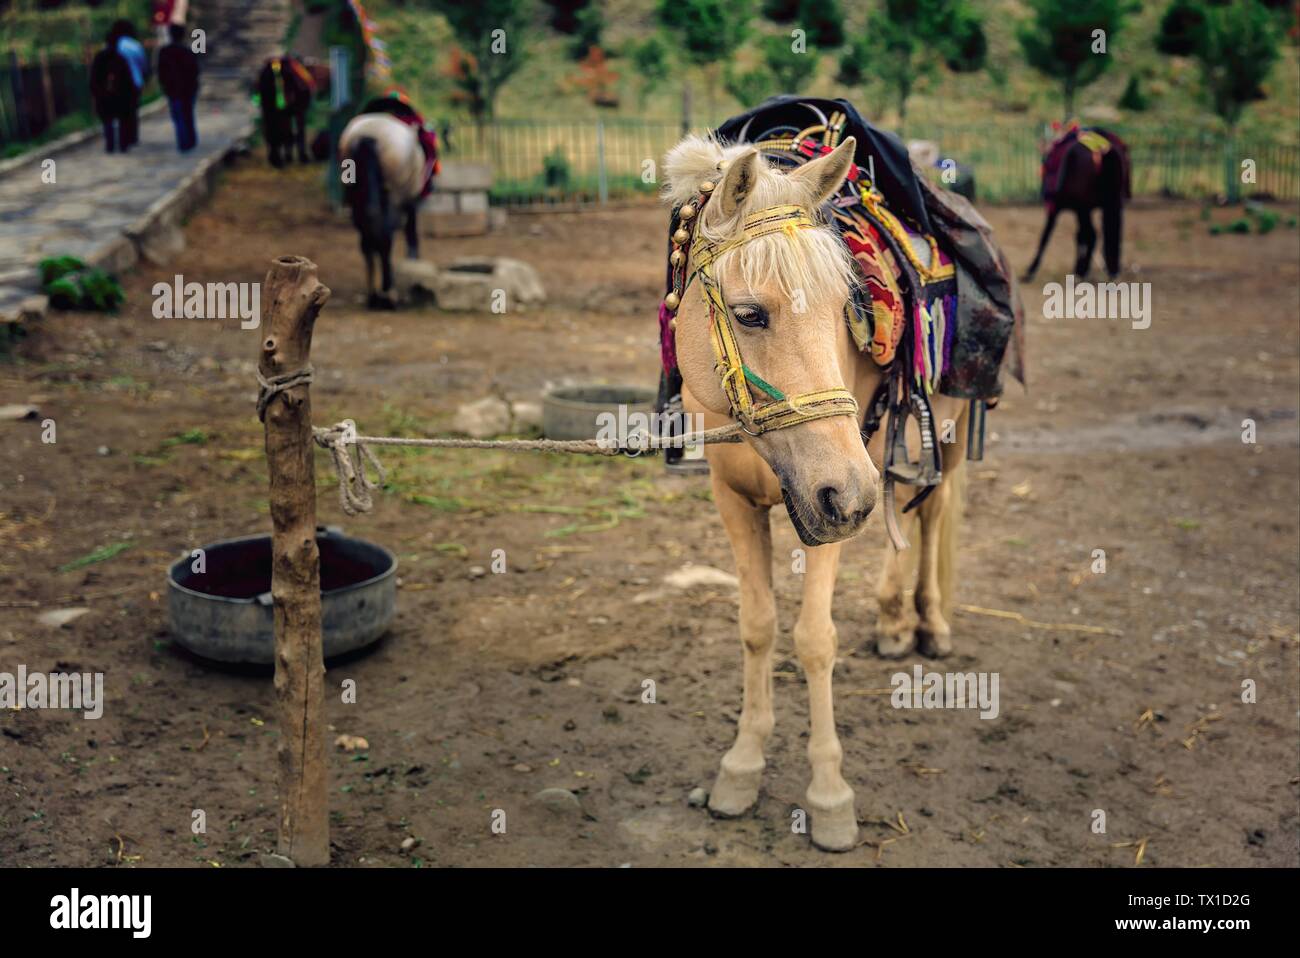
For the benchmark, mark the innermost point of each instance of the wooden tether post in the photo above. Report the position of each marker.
(293, 298)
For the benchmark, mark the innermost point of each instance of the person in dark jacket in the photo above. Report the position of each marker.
(137, 59)
(116, 97)
(178, 74)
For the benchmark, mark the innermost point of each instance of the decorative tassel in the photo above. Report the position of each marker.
(937, 343)
(667, 339)
(950, 311)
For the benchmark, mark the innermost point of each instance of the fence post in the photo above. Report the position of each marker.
(600, 162)
(295, 298)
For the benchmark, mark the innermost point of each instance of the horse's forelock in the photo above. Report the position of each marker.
(810, 261)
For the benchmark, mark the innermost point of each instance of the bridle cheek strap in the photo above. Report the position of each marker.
(781, 411)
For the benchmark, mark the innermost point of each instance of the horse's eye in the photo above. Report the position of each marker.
(755, 317)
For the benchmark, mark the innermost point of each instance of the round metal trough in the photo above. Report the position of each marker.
(224, 612)
(573, 412)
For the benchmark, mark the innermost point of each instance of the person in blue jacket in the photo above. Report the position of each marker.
(137, 61)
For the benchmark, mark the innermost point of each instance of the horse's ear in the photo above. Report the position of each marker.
(824, 175)
(738, 182)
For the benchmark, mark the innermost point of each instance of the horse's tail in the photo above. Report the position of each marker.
(369, 199)
(954, 477)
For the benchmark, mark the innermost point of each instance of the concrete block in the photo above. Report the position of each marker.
(475, 202)
(460, 177)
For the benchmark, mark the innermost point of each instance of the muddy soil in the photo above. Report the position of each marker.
(1120, 691)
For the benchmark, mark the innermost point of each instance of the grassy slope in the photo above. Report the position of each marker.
(418, 42)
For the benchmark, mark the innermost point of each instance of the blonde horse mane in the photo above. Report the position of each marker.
(812, 261)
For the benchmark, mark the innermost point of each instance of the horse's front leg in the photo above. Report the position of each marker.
(736, 788)
(829, 798)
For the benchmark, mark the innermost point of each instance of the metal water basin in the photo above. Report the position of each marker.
(225, 612)
(573, 412)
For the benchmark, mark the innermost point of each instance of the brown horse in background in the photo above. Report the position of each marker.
(1084, 170)
(286, 87)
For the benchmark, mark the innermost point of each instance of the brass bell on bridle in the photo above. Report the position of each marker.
(677, 257)
(681, 236)
(672, 301)
(686, 212)
(706, 187)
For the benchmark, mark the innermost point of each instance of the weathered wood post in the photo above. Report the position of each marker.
(293, 298)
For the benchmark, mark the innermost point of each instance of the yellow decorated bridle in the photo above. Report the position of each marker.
(781, 411)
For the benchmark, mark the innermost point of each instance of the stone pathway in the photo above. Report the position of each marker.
(96, 195)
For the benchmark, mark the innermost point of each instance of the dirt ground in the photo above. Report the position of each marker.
(493, 687)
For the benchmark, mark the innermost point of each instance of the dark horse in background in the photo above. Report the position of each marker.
(1083, 170)
(286, 87)
(388, 162)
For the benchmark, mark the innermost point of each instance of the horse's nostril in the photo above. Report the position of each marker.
(828, 499)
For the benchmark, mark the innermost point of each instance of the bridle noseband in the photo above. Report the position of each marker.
(781, 411)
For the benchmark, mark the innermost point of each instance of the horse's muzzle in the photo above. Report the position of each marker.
(831, 516)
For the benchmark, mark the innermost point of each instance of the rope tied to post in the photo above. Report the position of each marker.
(351, 453)
(268, 389)
(355, 486)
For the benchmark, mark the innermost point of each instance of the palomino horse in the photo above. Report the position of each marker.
(389, 176)
(1084, 170)
(765, 316)
(285, 87)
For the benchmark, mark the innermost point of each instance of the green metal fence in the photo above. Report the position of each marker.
(539, 163)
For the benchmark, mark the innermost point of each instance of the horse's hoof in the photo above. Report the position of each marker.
(934, 643)
(835, 828)
(895, 645)
(380, 301)
(735, 792)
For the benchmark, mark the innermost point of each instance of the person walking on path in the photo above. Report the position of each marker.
(137, 59)
(116, 97)
(178, 75)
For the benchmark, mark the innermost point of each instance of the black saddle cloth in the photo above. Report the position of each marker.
(877, 150)
(989, 312)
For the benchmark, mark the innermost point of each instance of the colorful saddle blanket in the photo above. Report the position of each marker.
(936, 291)
(1097, 141)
